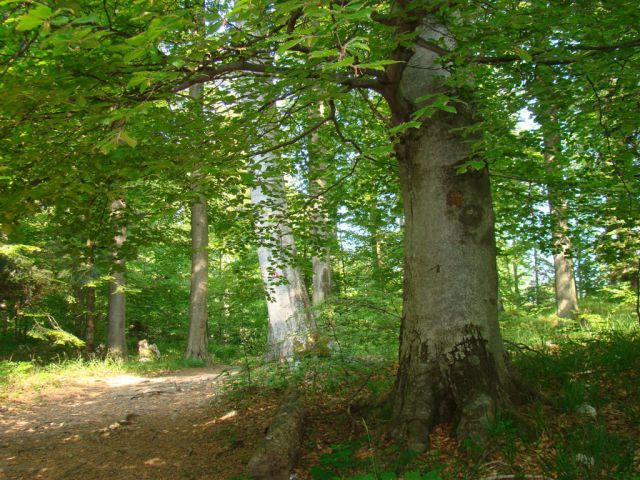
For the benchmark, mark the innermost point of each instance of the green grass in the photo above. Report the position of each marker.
(595, 364)
(19, 377)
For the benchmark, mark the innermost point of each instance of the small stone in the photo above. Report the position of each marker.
(587, 410)
(585, 460)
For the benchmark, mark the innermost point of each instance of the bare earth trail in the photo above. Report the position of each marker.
(129, 427)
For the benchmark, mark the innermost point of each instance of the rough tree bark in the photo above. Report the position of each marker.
(116, 339)
(197, 341)
(451, 360)
(291, 323)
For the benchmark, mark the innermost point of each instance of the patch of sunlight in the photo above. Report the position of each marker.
(72, 438)
(226, 416)
(123, 380)
(155, 462)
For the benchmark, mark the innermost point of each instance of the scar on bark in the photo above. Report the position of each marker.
(455, 198)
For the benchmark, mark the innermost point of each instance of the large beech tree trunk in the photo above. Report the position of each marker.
(291, 323)
(451, 354)
(451, 359)
(116, 338)
(197, 341)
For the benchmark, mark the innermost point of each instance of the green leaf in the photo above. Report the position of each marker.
(357, 45)
(287, 45)
(378, 65)
(123, 138)
(247, 177)
(405, 126)
(471, 165)
(432, 475)
(345, 62)
(412, 476)
(34, 18)
(83, 20)
(324, 53)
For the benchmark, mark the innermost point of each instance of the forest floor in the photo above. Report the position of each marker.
(169, 426)
(205, 423)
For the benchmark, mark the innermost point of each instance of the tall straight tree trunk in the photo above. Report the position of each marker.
(565, 282)
(375, 242)
(89, 301)
(116, 337)
(321, 259)
(516, 278)
(451, 359)
(536, 275)
(197, 342)
(90, 319)
(291, 323)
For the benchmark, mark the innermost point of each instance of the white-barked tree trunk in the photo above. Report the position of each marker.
(291, 322)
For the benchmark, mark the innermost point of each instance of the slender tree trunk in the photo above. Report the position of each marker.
(321, 259)
(375, 243)
(636, 283)
(197, 345)
(451, 359)
(90, 319)
(536, 275)
(198, 341)
(321, 264)
(291, 323)
(89, 301)
(516, 278)
(116, 337)
(565, 283)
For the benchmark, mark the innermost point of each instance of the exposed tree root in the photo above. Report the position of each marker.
(466, 384)
(277, 454)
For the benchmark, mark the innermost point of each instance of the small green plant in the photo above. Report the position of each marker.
(340, 460)
(573, 394)
(590, 452)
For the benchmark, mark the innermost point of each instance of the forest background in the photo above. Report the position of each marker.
(275, 131)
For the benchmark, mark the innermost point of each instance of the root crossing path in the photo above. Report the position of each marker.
(126, 427)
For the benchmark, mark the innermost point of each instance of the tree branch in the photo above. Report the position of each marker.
(209, 73)
(294, 139)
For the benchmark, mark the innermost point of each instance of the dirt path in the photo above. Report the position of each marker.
(128, 427)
